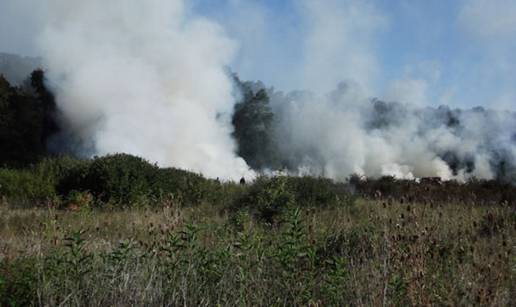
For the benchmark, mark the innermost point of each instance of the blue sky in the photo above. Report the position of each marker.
(440, 52)
(456, 52)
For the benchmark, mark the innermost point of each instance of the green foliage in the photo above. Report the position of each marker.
(56, 169)
(398, 290)
(76, 200)
(38, 183)
(128, 180)
(268, 199)
(186, 187)
(396, 256)
(319, 192)
(76, 259)
(119, 256)
(20, 185)
(333, 287)
(18, 282)
(119, 178)
(27, 121)
(254, 131)
(293, 248)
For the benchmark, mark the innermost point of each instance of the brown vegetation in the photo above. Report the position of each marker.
(363, 253)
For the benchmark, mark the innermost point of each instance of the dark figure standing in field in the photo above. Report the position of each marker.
(242, 181)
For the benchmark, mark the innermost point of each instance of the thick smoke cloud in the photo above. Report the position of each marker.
(150, 78)
(336, 133)
(146, 78)
(345, 132)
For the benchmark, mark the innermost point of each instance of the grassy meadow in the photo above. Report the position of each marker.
(276, 242)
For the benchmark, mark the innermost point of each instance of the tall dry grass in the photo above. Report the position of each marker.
(364, 253)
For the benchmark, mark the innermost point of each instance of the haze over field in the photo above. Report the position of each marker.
(364, 83)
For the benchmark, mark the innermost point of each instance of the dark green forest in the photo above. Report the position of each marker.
(27, 120)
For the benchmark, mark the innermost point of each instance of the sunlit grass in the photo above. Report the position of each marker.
(365, 253)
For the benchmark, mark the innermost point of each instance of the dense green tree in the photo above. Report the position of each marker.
(253, 122)
(120, 178)
(27, 120)
(47, 102)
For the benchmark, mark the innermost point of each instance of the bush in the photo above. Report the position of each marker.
(433, 191)
(130, 180)
(22, 185)
(127, 179)
(119, 178)
(37, 183)
(189, 188)
(268, 199)
(319, 192)
(76, 200)
(57, 168)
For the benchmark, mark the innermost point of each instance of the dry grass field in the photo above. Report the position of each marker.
(361, 253)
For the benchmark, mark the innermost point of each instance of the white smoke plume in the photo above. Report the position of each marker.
(341, 132)
(146, 78)
(149, 78)
(344, 133)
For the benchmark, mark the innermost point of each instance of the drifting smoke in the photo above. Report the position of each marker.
(346, 133)
(146, 78)
(149, 78)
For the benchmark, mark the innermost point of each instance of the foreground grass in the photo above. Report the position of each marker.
(365, 253)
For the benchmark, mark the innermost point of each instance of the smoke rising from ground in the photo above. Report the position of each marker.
(151, 79)
(345, 132)
(145, 78)
(336, 133)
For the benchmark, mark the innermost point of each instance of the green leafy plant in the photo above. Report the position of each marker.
(120, 178)
(268, 199)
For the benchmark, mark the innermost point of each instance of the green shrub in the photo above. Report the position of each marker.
(226, 193)
(190, 188)
(319, 192)
(268, 199)
(18, 282)
(39, 182)
(119, 178)
(56, 169)
(76, 200)
(127, 179)
(23, 185)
